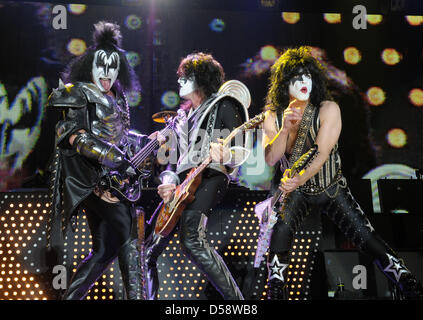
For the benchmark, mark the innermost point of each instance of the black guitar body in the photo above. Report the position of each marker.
(124, 190)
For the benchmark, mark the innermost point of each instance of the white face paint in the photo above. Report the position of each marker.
(186, 86)
(300, 86)
(105, 69)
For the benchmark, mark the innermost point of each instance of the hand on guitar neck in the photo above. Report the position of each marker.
(288, 183)
(157, 135)
(219, 152)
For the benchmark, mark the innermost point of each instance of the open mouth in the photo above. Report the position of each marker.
(304, 90)
(105, 83)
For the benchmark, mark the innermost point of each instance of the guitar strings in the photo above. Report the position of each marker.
(142, 154)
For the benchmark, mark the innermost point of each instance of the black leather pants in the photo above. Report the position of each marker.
(196, 247)
(341, 207)
(155, 245)
(110, 226)
(192, 227)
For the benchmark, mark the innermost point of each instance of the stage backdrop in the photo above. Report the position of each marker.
(374, 74)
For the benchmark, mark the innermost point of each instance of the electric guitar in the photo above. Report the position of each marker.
(128, 187)
(170, 213)
(266, 210)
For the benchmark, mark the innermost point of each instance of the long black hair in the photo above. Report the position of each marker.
(106, 36)
(208, 72)
(285, 68)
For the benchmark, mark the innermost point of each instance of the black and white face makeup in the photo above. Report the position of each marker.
(105, 69)
(300, 85)
(186, 86)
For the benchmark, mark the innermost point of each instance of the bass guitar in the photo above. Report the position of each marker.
(170, 213)
(129, 187)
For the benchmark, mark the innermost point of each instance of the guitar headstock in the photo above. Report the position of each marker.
(254, 122)
(250, 124)
(304, 161)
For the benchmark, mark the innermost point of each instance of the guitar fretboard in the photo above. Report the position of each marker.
(141, 155)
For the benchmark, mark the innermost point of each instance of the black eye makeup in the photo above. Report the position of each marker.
(299, 76)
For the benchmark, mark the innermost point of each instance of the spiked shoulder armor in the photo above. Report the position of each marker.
(67, 96)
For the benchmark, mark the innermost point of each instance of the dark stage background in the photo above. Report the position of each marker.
(375, 76)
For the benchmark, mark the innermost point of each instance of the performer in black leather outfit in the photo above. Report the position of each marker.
(200, 77)
(92, 140)
(299, 114)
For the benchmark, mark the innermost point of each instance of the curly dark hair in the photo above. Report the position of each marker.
(106, 36)
(285, 68)
(209, 74)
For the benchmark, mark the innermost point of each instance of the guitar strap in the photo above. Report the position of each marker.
(209, 131)
(305, 124)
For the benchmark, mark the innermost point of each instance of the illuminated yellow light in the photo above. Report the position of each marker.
(77, 47)
(416, 97)
(291, 17)
(414, 20)
(332, 18)
(391, 56)
(376, 96)
(396, 138)
(374, 19)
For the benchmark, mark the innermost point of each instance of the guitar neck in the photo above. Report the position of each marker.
(141, 155)
(276, 197)
(247, 125)
(207, 161)
(279, 193)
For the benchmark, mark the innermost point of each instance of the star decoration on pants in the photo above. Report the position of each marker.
(277, 269)
(396, 267)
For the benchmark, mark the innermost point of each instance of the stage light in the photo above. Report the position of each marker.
(374, 19)
(352, 55)
(391, 56)
(291, 17)
(133, 22)
(134, 98)
(416, 97)
(170, 99)
(396, 138)
(77, 46)
(375, 96)
(268, 53)
(414, 20)
(217, 25)
(77, 8)
(268, 3)
(332, 18)
(133, 58)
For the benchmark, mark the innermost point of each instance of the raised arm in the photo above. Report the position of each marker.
(274, 142)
